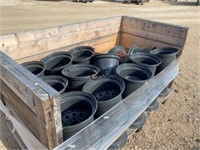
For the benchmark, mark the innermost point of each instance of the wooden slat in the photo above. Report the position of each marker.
(17, 85)
(45, 99)
(127, 40)
(15, 134)
(8, 40)
(29, 139)
(28, 117)
(161, 33)
(96, 42)
(34, 42)
(175, 31)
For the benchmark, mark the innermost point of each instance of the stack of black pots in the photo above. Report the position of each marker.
(91, 83)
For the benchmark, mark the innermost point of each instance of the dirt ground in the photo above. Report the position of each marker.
(176, 124)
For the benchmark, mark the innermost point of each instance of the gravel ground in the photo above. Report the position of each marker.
(176, 124)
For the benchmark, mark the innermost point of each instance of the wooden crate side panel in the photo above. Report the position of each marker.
(101, 44)
(34, 42)
(19, 87)
(28, 140)
(155, 27)
(31, 88)
(26, 115)
(154, 31)
(127, 40)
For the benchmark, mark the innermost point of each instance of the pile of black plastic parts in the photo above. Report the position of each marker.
(91, 83)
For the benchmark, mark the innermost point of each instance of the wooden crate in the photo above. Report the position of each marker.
(34, 104)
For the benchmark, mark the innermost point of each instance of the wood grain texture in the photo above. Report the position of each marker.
(38, 41)
(127, 40)
(159, 33)
(40, 98)
(18, 126)
(27, 116)
(101, 44)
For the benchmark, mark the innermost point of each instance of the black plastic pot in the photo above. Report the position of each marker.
(134, 76)
(56, 62)
(121, 141)
(36, 67)
(107, 62)
(121, 51)
(78, 109)
(59, 83)
(139, 122)
(167, 54)
(135, 49)
(108, 92)
(79, 74)
(82, 54)
(153, 106)
(147, 60)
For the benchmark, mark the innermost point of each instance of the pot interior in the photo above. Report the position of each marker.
(80, 73)
(106, 91)
(134, 74)
(83, 54)
(57, 62)
(145, 60)
(35, 69)
(56, 85)
(76, 113)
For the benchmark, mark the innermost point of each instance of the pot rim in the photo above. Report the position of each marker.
(158, 51)
(52, 56)
(94, 82)
(139, 67)
(155, 58)
(64, 81)
(79, 49)
(81, 93)
(107, 55)
(76, 67)
(116, 49)
(35, 63)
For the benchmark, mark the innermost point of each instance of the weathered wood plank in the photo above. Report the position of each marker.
(155, 36)
(27, 116)
(128, 40)
(114, 38)
(8, 40)
(29, 139)
(26, 49)
(55, 42)
(25, 84)
(33, 42)
(17, 85)
(156, 27)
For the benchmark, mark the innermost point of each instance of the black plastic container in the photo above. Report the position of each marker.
(108, 92)
(135, 49)
(139, 122)
(134, 76)
(36, 67)
(79, 74)
(107, 62)
(82, 54)
(147, 60)
(56, 62)
(153, 106)
(121, 51)
(78, 109)
(121, 141)
(167, 54)
(59, 83)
